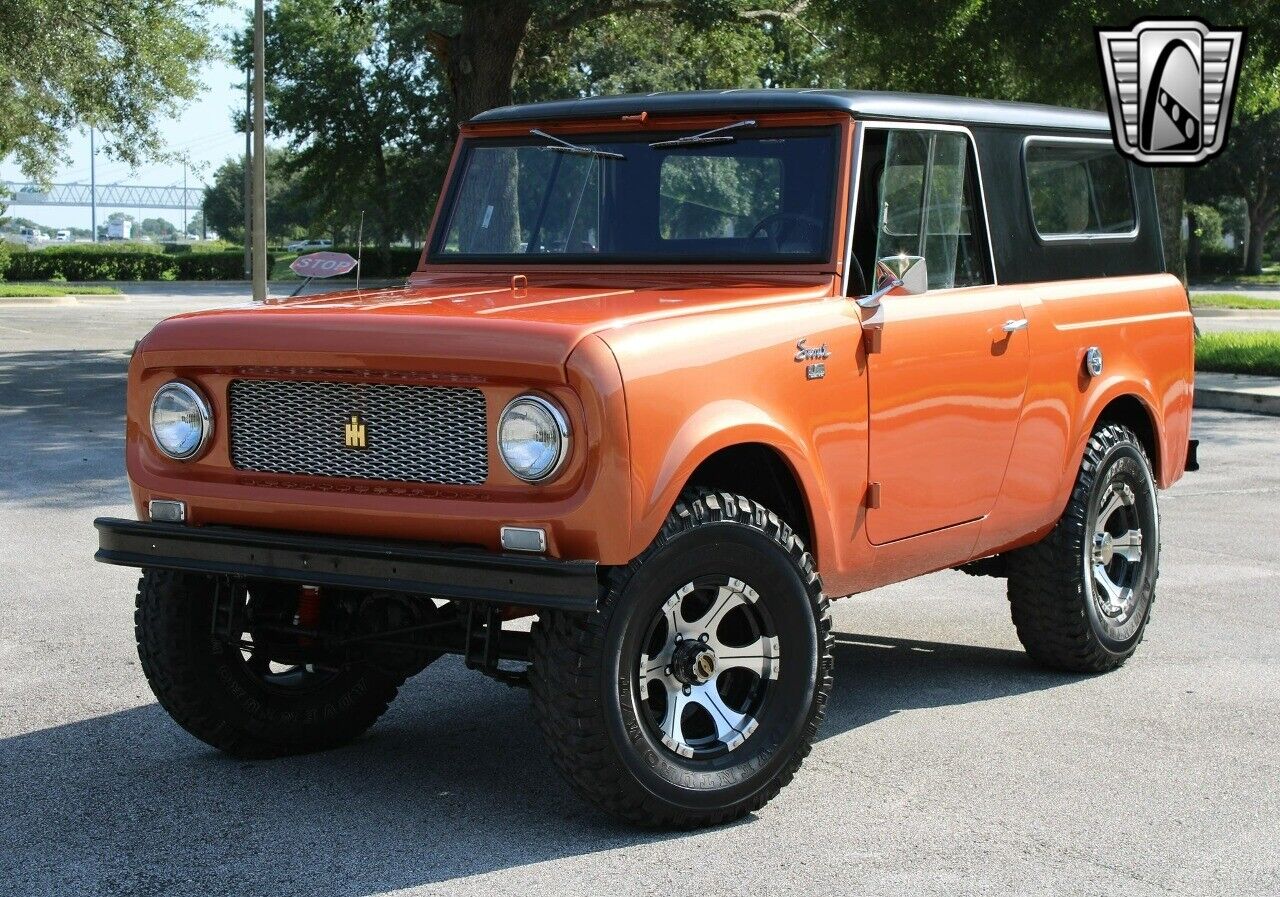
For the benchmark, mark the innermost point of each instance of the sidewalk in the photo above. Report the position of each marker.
(1238, 392)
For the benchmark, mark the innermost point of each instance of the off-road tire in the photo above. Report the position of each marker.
(204, 686)
(1049, 595)
(597, 742)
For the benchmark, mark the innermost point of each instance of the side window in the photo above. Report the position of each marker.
(1079, 190)
(928, 206)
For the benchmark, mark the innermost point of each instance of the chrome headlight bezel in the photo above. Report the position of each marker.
(201, 406)
(560, 424)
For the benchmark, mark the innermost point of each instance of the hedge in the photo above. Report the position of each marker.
(1220, 262)
(114, 264)
(401, 261)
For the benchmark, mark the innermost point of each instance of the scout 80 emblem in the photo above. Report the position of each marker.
(355, 433)
(1170, 85)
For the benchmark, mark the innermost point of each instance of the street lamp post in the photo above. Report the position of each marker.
(259, 157)
(248, 173)
(93, 187)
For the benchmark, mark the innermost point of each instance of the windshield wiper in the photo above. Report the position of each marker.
(715, 135)
(564, 146)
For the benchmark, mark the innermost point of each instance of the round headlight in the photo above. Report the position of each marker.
(180, 421)
(533, 438)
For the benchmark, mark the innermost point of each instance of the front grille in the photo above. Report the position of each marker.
(413, 434)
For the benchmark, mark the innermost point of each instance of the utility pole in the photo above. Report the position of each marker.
(93, 187)
(248, 171)
(259, 156)
(184, 199)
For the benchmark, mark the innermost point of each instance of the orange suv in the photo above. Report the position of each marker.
(673, 370)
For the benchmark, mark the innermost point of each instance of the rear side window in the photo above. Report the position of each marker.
(1079, 190)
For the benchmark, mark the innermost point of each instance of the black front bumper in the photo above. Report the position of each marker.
(440, 572)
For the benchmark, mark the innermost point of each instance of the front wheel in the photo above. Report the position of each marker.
(1081, 597)
(257, 698)
(695, 693)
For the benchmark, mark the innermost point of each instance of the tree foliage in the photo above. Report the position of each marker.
(115, 66)
(291, 210)
(1249, 168)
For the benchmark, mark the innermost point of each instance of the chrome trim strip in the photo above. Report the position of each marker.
(850, 219)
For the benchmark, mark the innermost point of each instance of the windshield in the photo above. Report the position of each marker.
(758, 196)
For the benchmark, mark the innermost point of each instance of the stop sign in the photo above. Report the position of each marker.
(322, 264)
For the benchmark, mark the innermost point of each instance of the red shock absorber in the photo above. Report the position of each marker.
(308, 613)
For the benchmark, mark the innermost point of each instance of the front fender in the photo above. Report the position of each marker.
(719, 425)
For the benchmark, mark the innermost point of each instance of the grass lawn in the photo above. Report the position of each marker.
(1232, 300)
(41, 290)
(1270, 275)
(1239, 353)
(281, 269)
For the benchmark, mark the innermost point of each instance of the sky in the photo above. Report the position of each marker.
(203, 129)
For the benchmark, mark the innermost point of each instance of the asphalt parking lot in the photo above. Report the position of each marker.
(948, 763)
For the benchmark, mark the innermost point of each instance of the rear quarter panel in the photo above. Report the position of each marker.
(1143, 326)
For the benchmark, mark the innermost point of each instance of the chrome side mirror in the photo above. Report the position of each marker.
(906, 272)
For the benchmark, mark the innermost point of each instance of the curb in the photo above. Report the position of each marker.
(31, 301)
(1227, 392)
(1235, 312)
(1226, 400)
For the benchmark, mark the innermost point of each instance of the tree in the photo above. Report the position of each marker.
(361, 111)
(480, 45)
(156, 228)
(290, 209)
(114, 66)
(1250, 168)
(195, 225)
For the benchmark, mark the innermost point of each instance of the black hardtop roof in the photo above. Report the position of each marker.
(868, 104)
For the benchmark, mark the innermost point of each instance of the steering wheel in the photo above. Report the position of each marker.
(782, 224)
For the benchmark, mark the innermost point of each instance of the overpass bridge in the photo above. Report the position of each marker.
(116, 195)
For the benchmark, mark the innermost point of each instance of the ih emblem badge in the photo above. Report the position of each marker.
(355, 433)
(1170, 85)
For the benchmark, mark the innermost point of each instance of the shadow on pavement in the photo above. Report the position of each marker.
(453, 782)
(62, 414)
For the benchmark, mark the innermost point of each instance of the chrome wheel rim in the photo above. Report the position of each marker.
(707, 666)
(1115, 556)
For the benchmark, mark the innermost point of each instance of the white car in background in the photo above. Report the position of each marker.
(307, 245)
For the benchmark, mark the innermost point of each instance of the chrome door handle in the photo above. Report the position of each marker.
(1014, 326)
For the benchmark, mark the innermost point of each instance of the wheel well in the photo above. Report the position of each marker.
(1130, 411)
(760, 473)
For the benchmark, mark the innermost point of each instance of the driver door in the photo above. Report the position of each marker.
(948, 370)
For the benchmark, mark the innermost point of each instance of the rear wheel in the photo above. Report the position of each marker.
(694, 694)
(255, 698)
(1081, 597)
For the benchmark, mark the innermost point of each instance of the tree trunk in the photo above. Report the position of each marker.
(384, 204)
(1170, 192)
(1193, 245)
(1259, 223)
(482, 58)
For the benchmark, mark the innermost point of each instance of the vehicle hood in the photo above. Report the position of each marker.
(447, 329)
